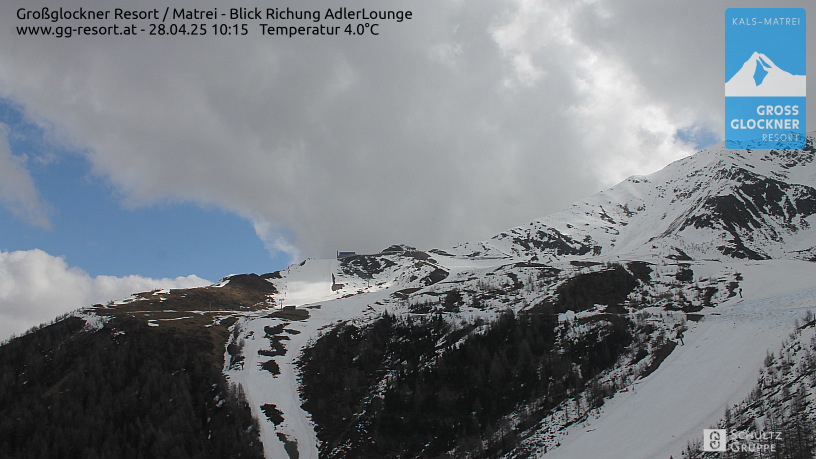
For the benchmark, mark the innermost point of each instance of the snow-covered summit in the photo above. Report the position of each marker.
(753, 204)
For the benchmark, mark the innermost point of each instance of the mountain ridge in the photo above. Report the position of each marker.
(599, 224)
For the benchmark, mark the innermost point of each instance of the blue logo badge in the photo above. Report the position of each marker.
(765, 62)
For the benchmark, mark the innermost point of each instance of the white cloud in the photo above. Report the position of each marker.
(18, 194)
(620, 130)
(458, 124)
(35, 287)
(274, 241)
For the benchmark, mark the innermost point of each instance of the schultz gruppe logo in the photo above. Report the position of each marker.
(714, 440)
(765, 63)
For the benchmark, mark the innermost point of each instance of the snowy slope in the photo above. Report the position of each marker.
(330, 291)
(715, 368)
(308, 282)
(281, 390)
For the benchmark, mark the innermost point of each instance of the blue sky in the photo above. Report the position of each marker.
(698, 136)
(92, 229)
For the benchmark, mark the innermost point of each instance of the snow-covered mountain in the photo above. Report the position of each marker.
(747, 204)
(724, 230)
(760, 77)
(621, 326)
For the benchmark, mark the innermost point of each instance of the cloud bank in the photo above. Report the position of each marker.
(35, 287)
(466, 120)
(18, 194)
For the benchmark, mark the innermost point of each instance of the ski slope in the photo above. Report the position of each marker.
(306, 286)
(308, 282)
(716, 367)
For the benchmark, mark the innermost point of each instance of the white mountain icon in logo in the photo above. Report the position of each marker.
(760, 77)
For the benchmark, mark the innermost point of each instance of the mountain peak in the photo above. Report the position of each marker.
(717, 202)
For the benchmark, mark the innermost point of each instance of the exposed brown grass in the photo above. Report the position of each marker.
(291, 314)
(203, 313)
